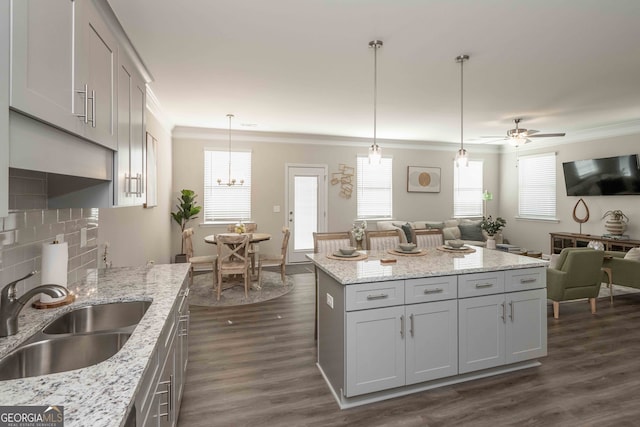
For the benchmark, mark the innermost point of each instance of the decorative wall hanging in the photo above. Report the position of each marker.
(585, 218)
(423, 179)
(344, 178)
(151, 171)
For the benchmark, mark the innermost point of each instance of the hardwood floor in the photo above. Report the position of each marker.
(255, 366)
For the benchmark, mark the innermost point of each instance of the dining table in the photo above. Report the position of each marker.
(253, 238)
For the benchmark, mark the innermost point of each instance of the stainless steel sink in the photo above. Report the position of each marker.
(61, 354)
(101, 317)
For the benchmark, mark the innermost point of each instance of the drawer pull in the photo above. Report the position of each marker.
(433, 291)
(527, 280)
(379, 296)
(483, 285)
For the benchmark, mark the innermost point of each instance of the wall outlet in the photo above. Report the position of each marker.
(83, 237)
(329, 300)
(276, 209)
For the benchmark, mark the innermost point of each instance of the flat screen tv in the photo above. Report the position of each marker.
(610, 176)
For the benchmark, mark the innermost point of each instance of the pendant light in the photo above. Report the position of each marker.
(462, 158)
(375, 152)
(230, 181)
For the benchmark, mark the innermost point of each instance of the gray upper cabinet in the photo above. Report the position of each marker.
(63, 65)
(129, 188)
(4, 107)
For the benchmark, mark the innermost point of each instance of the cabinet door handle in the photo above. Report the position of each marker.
(402, 326)
(93, 109)
(504, 313)
(532, 280)
(86, 104)
(512, 311)
(411, 324)
(433, 291)
(379, 296)
(184, 331)
(483, 285)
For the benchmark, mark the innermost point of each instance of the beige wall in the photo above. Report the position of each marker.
(534, 235)
(137, 235)
(271, 153)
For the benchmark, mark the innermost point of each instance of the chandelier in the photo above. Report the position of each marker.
(230, 181)
(375, 152)
(462, 158)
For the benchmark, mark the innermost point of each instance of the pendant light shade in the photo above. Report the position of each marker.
(375, 152)
(462, 157)
(230, 181)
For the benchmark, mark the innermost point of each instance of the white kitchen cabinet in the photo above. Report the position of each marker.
(395, 346)
(130, 187)
(63, 67)
(182, 349)
(500, 329)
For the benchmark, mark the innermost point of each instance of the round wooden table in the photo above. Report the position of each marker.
(255, 238)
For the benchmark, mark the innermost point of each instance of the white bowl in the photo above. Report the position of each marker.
(348, 250)
(455, 243)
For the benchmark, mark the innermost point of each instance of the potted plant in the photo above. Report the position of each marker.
(616, 222)
(492, 227)
(187, 210)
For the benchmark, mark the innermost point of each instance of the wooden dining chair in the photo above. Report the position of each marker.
(202, 260)
(275, 260)
(382, 240)
(249, 227)
(429, 238)
(233, 258)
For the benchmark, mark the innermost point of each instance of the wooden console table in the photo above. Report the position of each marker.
(559, 241)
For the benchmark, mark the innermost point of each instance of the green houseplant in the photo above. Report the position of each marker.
(186, 211)
(492, 226)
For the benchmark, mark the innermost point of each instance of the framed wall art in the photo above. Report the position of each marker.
(422, 179)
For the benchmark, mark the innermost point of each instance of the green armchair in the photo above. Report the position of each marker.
(624, 272)
(577, 274)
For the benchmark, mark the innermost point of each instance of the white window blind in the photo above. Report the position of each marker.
(223, 202)
(467, 190)
(537, 186)
(374, 188)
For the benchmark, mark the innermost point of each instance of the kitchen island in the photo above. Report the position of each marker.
(106, 394)
(387, 330)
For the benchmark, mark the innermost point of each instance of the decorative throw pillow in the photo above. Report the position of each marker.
(633, 254)
(434, 224)
(407, 231)
(451, 233)
(471, 232)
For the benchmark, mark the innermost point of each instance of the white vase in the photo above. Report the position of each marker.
(615, 226)
(491, 242)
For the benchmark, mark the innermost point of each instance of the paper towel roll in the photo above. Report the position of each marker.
(55, 258)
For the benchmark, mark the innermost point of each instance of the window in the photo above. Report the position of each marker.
(223, 202)
(467, 190)
(537, 186)
(374, 188)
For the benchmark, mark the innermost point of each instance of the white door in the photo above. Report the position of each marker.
(306, 208)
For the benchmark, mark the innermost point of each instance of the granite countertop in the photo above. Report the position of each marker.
(434, 263)
(99, 395)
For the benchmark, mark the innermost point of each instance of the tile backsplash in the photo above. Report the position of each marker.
(23, 232)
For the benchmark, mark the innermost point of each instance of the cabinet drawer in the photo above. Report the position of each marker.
(525, 279)
(477, 284)
(431, 289)
(373, 295)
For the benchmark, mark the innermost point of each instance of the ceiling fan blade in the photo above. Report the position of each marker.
(531, 132)
(547, 135)
(494, 137)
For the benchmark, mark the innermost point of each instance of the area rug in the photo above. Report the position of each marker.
(202, 292)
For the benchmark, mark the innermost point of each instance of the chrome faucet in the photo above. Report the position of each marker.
(10, 306)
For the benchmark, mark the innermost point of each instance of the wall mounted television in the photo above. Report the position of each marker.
(609, 176)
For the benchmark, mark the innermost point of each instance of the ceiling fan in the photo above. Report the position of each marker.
(518, 135)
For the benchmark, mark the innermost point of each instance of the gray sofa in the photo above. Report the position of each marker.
(464, 229)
